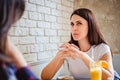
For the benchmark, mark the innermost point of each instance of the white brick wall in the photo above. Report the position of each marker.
(30, 23)
(30, 7)
(42, 39)
(50, 4)
(36, 31)
(42, 28)
(50, 18)
(43, 9)
(43, 24)
(26, 40)
(50, 32)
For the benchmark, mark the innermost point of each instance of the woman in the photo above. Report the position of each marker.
(12, 64)
(86, 39)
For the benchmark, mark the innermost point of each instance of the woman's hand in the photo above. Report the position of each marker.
(71, 50)
(62, 53)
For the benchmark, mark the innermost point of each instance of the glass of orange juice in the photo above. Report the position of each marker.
(95, 71)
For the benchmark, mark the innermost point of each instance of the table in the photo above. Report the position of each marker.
(82, 79)
(85, 79)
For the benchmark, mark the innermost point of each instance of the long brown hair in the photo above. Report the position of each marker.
(95, 37)
(10, 12)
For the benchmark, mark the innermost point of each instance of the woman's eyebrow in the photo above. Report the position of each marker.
(75, 21)
(78, 21)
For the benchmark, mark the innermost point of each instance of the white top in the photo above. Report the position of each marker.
(77, 67)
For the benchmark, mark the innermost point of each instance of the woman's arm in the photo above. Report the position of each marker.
(105, 72)
(50, 70)
(110, 72)
(87, 60)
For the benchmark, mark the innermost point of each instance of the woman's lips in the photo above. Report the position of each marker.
(75, 34)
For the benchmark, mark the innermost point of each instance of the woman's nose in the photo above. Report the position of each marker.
(74, 27)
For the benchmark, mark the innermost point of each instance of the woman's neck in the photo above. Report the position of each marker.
(84, 45)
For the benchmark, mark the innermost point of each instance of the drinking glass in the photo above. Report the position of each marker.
(95, 71)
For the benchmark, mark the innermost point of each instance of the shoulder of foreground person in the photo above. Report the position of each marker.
(25, 73)
(8, 71)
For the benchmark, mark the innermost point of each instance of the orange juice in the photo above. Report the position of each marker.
(96, 72)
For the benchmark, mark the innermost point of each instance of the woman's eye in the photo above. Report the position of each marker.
(79, 23)
(72, 24)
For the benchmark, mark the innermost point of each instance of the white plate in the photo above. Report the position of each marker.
(65, 78)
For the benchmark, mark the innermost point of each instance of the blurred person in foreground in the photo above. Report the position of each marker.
(12, 64)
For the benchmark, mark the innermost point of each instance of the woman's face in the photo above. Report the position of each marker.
(79, 27)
